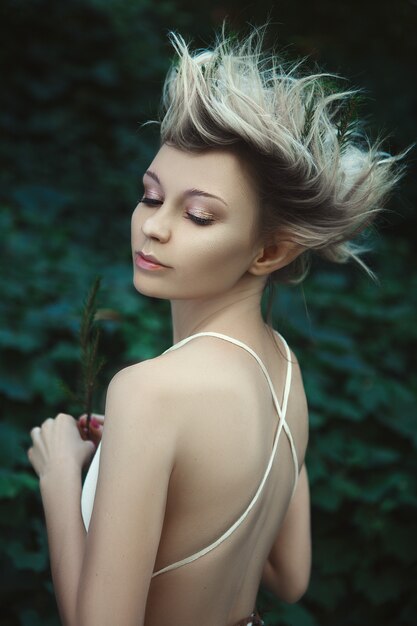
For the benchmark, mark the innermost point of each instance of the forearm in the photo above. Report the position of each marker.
(61, 498)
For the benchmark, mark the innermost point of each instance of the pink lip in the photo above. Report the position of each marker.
(147, 262)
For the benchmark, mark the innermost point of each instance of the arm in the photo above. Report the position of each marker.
(58, 455)
(136, 461)
(102, 577)
(287, 570)
(61, 496)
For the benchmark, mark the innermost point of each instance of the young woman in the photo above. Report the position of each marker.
(198, 492)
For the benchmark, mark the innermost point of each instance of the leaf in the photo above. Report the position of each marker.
(12, 442)
(296, 614)
(381, 587)
(14, 483)
(24, 559)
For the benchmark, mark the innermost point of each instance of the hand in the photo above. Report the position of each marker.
(96, 427)
(58, 441)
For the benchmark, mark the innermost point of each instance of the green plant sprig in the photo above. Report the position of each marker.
(91, 362)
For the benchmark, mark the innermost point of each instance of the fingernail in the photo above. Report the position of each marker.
(94, 423)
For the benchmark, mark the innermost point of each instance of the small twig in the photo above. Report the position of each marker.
(91, 363)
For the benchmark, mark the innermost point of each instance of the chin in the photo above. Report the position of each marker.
(151, 291)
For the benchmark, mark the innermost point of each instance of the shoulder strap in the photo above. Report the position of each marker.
(280, 410)
(282, 424)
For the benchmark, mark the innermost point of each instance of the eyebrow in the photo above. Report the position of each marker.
(188, 192)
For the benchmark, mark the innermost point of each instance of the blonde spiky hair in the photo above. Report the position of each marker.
(320, 180)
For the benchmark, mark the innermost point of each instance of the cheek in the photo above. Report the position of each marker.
(133, 219)
(215, 259)
(135, 222)
(135, 215)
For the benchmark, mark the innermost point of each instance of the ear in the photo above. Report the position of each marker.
(274, 257)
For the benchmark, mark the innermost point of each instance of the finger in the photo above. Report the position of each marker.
(47, 423)
(94, 416)
(32, 460)
(90, 449)
(35, 432)
(64, 417)
(99, 418)
(83, 433)
(90, 445)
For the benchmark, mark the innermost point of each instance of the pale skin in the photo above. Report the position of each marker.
(187, 435)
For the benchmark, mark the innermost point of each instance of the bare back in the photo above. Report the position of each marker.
(224, 449)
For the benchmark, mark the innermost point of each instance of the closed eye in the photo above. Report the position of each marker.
(201, 221)
(151, 201)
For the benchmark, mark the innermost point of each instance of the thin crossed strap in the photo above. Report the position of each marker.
(282, 424)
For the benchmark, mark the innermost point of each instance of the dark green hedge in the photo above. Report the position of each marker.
(77, 80)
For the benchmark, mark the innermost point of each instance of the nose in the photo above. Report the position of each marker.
(155, 226)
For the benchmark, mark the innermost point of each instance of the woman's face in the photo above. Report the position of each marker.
(207, 244)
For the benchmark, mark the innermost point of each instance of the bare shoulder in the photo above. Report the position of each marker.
(170, 382)
(170, 369)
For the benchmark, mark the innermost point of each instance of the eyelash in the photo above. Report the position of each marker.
(197, 220)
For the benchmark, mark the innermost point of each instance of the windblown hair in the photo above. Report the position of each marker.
(319, 180)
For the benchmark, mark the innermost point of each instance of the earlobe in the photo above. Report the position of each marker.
(275, 257)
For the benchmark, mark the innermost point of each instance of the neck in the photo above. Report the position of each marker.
(234, 314)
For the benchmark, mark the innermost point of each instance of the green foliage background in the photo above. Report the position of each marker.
(78, 78)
